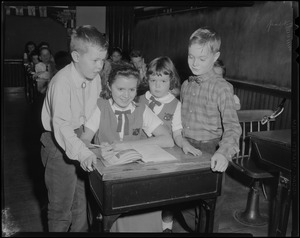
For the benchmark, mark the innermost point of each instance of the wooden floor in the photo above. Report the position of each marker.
(24, 196)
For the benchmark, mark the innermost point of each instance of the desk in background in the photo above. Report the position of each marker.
(274, 149)
(121, 189)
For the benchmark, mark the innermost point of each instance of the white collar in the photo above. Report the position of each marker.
(114, 107)
(78, 79)
(165, 99)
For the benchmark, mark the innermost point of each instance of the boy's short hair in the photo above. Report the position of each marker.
(44, 48)
(43, 44)
(164, 66)
(204, 36)
(87, 35)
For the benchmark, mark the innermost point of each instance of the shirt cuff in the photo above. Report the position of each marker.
(227, 152)
(177, 133)
(84, 154)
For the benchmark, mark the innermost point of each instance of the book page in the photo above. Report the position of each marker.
(123, 157)
(153, 153)
(140, 153)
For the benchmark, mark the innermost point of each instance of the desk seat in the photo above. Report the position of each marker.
(246, 162)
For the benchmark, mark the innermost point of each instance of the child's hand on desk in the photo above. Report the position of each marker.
(218, 162)
(89, 163)
(188, 148)
(107, 150)
(104, 150)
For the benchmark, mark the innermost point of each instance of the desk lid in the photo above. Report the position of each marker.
(183, 163)
(277, 136)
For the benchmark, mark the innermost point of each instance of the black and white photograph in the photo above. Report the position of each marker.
(143, 118)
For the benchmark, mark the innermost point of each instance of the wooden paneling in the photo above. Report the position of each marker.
(119, 27)
(13, 75)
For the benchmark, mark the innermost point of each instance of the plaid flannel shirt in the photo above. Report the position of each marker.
(208, 112)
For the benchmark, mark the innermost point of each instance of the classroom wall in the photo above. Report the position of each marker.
(256, 40)
(17, 30)
(91, 15)
(20, 29)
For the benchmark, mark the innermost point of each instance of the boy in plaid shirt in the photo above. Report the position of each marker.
(208, 112)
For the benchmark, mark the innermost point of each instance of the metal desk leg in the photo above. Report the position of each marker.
(210, 214)
(281, 207)
(106, 222)
(209, 207)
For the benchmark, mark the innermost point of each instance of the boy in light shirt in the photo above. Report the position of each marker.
(70, 101)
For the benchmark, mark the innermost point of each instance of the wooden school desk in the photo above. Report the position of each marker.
(274, 149)
(131, 187)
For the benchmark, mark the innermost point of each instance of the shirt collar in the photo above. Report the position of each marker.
(130, 107)
(78, 79)
(206, 76)
(165, 99)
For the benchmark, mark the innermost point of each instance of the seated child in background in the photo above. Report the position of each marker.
(220, 69)
(35, 57)
(29, 48)
(117, 121)
(45, 44)
(162, 77)
(33, 61)
(44, 70)
(138, 61)
(104, 73)
(116, 59)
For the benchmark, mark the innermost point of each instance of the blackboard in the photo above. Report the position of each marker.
(258, 45)
(256, 40)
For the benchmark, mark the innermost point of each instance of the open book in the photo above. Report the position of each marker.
(123, 157)
(140, 154)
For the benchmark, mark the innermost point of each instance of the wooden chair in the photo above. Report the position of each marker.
(252, 120)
